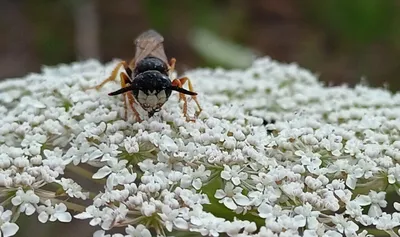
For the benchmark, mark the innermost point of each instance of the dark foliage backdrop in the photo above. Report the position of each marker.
(341, 40)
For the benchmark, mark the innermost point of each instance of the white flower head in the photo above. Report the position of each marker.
(271, 143)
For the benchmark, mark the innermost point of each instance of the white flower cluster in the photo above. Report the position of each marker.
(273, 153)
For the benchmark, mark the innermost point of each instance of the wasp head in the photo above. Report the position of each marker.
(151, 90)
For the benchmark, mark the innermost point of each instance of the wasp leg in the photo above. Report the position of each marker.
(171, 67)
(113, 76)
(180, 82)
(128, 95)
(183, 80)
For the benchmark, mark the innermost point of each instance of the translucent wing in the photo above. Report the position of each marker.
(150, 43)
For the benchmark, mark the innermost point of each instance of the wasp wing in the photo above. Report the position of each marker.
(150, 44)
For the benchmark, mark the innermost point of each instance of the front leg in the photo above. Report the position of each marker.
(179, 83)
(126, 93)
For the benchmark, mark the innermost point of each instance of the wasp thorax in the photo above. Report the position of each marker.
(150, 63)
(152, 90)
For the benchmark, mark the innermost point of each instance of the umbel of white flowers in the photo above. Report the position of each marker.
(273, 153)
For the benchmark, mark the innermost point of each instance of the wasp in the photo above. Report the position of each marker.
(146, 79)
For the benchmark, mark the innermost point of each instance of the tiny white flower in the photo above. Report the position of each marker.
(7, 228)
(233, 174)
(110, 152)
(268, 211)
(72, 188)
(310, 160)
(194, 178)
(354, 209)
(21, 162)
(345, 226)
(131, 145)
(148, 209)
(385, 222)
(310, 215)
(138, 231)
(231, 197)
(167, 144)
(58, 212)
(377, 201)
(116, 172)
(26, 201)
(93, 213)
(171, 218)
(394, 174)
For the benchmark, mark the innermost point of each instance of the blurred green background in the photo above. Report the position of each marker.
(341, 40)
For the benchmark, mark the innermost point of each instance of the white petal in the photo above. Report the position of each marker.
(37, 104)
(181, 224)
(219, 194)
(5, 216)
(351, 182)
(374, 211)
(396, 206)
(300, 220)
(310, 233)
(241, 199)
(52, 218)
(95, 154)
(264, 210)
(30, 209)
(197, 184)
(226, 175)
(229, 203)
(102, 172)
(83, 215)
(16, 201)
(43, 217)
(9, 229)
(95, 221)
(391, 179)
(331, 233)
(100, 233)
(63, 216)
(111, 182)
(168, 226)
(363, 200)
(196, 220)
(145, 233)
(167, 144)
(312, 223)
(236, 180)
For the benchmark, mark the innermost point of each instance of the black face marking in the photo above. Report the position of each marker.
(151, 90)
(150, 64)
